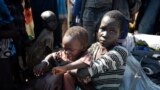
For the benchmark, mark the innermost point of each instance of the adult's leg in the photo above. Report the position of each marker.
(148, 20)
(89, 24)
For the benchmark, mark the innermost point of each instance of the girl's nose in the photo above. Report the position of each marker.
(104, 33)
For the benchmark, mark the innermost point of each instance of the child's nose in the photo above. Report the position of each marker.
(67, 52)
(104, 33)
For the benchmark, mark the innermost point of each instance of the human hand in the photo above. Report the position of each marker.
(59, 70)
(40, 68)
(83, 75)
(84, 80)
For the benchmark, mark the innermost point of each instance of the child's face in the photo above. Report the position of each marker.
(108, 32)
(51, 23)
(72, 47)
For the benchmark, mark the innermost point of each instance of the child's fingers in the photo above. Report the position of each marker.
(37, 72)
(57, 72)
(80, 80)
(54, 71)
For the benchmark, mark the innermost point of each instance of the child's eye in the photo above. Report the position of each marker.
(111, 31)
(101, 29)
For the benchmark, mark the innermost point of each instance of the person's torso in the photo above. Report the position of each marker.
(109, 80)
(38, 50)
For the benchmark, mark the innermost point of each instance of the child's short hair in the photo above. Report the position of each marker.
(78, 33)
(48, 16)
(119, 17)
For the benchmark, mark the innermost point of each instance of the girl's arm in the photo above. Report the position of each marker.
(76, 65)
(113, 60)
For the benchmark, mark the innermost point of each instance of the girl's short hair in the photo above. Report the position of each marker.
(119, 17)
(79, 33)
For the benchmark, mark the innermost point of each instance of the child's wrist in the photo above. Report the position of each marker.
(46, 61)
(66, 68)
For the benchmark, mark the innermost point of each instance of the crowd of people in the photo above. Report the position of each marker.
(42, 47)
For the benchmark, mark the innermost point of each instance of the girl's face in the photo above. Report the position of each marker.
(108, 32)
(72, 47)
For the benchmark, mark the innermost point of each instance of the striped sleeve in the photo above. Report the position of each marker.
(112, 60)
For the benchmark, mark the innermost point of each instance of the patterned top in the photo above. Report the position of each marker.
(107, 71)
(7, 48)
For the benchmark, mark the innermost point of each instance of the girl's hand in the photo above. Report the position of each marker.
(40, 68)
(84, 80)
(83, 75)
(59, 70)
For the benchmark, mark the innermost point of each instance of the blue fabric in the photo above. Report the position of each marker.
(7, 48)
(149, 18)
(62, 10)
(77, 8)
(5, 16)
(142, 48)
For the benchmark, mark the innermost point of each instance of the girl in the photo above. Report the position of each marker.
(108, 57)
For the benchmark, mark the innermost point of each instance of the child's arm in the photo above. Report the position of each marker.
(40, 68)
(49, 57)
(80, 63)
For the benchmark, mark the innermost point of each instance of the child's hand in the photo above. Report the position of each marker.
(40, 68)
(82, 73)
(84, 80)
(59, 70)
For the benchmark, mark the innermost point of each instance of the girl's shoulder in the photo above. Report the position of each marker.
(120, 50)
(119, 47)
(93, 47)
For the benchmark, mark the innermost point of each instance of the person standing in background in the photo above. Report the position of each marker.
(93, 10)
(38, 6)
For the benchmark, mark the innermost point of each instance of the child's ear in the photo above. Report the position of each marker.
(83, 48)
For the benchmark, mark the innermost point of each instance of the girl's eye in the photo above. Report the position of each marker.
(111, 31)
(68, 49)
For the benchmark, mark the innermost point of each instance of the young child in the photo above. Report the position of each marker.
(74, 45)
(44, 43)
(108, 57)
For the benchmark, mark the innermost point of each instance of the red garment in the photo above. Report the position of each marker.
(28, 16)
(69, 80)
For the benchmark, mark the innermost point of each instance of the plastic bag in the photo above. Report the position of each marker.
(135, 78)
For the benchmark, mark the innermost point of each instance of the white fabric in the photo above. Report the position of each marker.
(153, 41)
